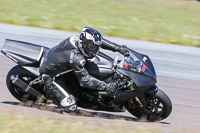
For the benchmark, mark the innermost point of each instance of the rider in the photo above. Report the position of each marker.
(71, 55)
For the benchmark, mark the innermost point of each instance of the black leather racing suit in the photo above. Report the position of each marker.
(65, 57)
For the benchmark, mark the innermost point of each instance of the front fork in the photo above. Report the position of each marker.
(141, 99)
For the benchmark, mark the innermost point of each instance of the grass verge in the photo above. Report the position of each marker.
(15, 123)
(25, 124)
(167, 21)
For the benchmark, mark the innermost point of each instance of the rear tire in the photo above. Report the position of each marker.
(17, 92)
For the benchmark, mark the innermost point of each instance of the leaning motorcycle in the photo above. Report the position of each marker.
(137, 92)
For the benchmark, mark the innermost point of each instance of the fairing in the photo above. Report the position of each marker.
(139, 68)
(141, 81)
(100, 67)
(23, 53)
(147, 61)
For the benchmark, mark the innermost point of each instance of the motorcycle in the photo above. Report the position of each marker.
(136, 75)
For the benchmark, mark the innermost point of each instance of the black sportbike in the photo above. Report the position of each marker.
(136, 75)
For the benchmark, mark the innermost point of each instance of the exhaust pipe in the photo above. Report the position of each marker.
(27, 88)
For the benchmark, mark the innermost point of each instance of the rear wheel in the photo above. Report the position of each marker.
(16, 91)
(157, 107)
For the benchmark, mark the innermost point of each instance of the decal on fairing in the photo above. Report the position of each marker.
(143, 68)
(125, 66)
(144, 59)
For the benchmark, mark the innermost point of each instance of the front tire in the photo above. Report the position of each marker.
(157, 107)
(17, 92)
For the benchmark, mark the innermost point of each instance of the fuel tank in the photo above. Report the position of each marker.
(100, 67)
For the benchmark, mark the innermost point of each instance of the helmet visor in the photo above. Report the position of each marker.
(91, 46)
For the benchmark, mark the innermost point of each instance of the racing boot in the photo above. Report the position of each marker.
(60, 97)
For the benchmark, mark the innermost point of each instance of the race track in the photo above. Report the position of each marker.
(177, 69)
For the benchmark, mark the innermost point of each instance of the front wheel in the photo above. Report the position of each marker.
(156, 107)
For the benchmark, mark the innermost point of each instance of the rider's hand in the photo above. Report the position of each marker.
(124, 50)
(111, 87)
(108, 87)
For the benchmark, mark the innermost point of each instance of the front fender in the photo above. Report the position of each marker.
(152, 91)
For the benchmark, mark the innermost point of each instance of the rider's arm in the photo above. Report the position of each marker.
(85, 80)
(106, 44)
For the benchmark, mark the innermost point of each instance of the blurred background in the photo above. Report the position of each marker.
(166, 21)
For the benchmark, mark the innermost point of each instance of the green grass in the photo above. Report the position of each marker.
(168, 21)
(15, 123)
(27, 124)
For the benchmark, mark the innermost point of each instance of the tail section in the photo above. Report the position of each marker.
(23, 53)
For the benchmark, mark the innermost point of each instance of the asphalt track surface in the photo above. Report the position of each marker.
(177, 68)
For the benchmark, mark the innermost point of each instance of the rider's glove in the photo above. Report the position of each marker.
(108, 87)
(124, 50)
(111, 87)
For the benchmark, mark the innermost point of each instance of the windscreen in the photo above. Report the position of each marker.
(134, 64)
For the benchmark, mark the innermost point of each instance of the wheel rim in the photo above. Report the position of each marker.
(155, 107)
(152, 110)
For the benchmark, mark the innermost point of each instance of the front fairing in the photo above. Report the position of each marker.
(147, 61)
(139, 68)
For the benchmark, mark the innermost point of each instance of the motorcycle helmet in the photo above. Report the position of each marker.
(90, 41)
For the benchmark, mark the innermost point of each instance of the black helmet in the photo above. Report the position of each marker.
(89, 42)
